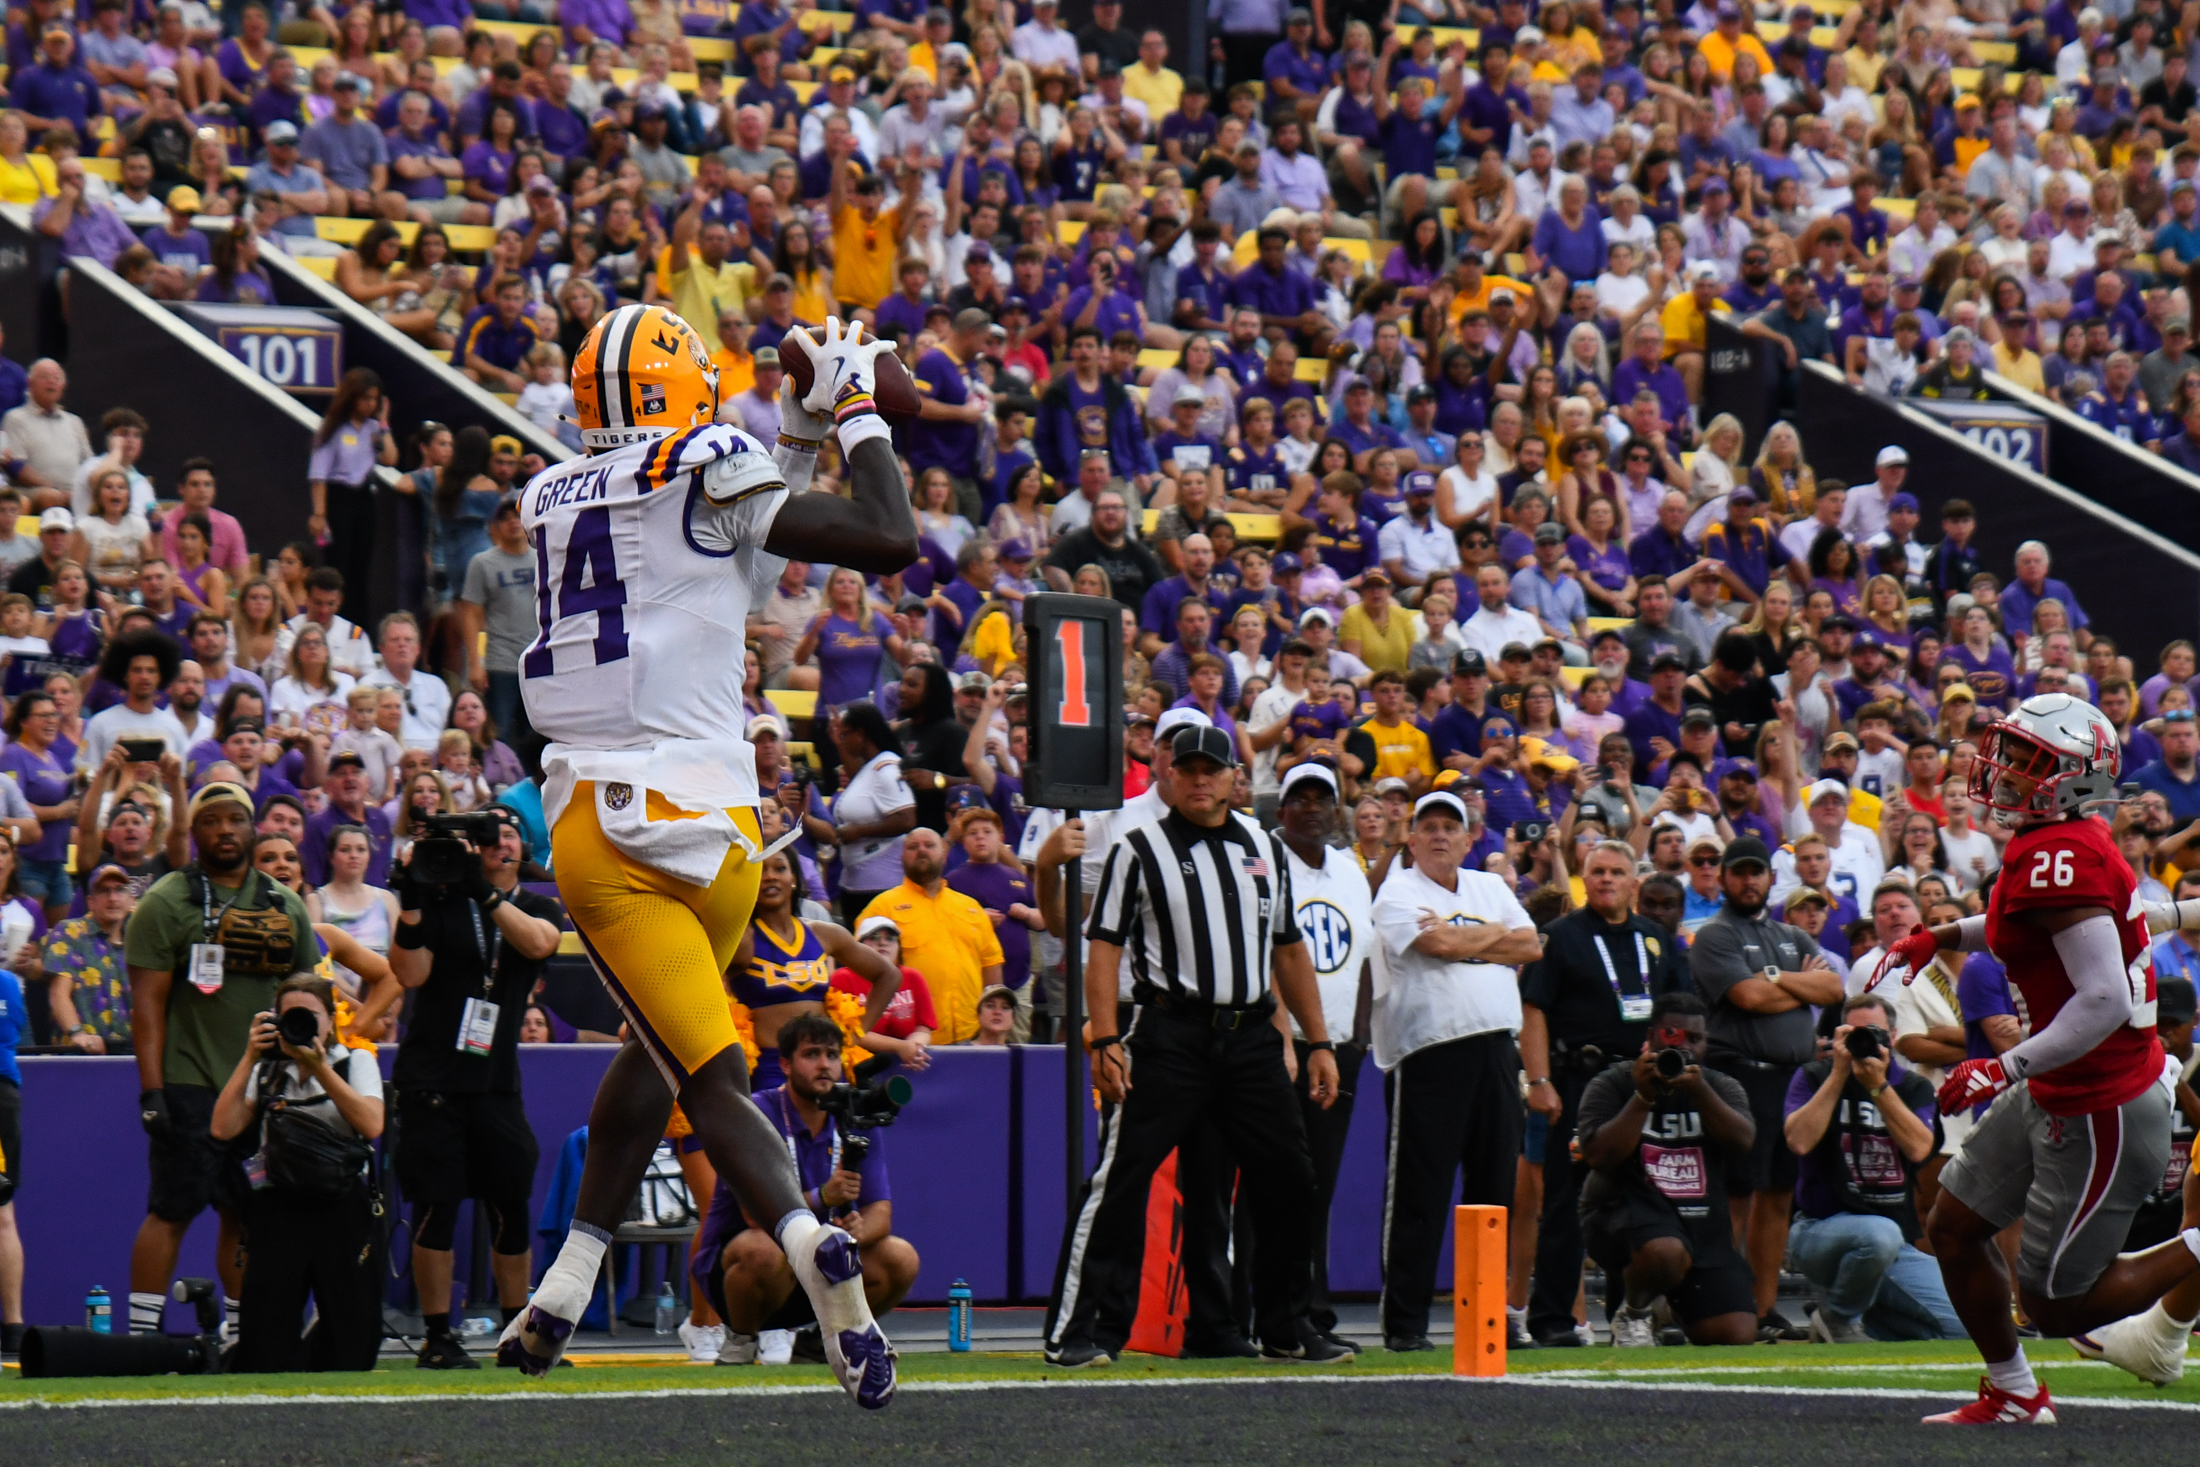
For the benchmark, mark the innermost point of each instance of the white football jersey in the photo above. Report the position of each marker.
(647, 560)
(1336, 916)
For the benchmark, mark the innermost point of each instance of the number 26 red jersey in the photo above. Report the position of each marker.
(2061, 864)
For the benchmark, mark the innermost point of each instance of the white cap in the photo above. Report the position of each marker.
(56, 518)
(1177, 718)
(1893, 453)
(1823, 788)
(1327, 617)
(1703, 270)
(879, 923)
(766, 723)
(1308, 773)
(1444, 800)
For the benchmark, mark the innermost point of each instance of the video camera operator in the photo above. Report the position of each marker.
(1658, 1135)
(842, 1173)
(472, 941)
(1864, 1127)
(312, 1221)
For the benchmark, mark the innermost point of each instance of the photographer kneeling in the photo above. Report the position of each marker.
(471, 941)
(311, 1225)
(843, 1178)
(1863, 1127)
(1658, 1136)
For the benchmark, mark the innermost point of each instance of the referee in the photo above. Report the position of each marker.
(1199, 904)
(1584, 1006)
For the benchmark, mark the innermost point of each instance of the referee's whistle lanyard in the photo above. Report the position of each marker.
(793, 1122)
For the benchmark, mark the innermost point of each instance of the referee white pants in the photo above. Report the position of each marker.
(1454, 1108)
(1185, 1073)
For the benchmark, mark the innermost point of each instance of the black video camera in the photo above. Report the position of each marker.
(1867, 1042)
(450, 852)
(863, 1107)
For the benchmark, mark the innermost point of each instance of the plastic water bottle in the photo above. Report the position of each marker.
(958, 1316)
(99, 1311)
(668, 1309)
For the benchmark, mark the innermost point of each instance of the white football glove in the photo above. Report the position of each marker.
(845, 365)
(795, 420)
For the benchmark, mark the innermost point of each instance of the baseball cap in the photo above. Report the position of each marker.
(1313, 614)
(1386, 785)
(1374, 578)
(280, 131)
(184, 199)
(1868, 639)
(767, 356)
(1016, 550)
(841, 74)
(1669, 662)
(1697, 713)
(223, 792)
(1826, 789)
(1203, 741)
(1744, 851)
(1802, 896)
(910, 602)
(346, 81)
(1905, 501)
(1549, 534)
(998, 990)
(1893, 453)
(1420, 481)
(762, 723)
(1188, 396)
(1421, 392)
(108, 872)
(1839, 741)
(973, 682)
(247, 725)
(1741, 494)
(343, 757)
(1469, 664)
(1176, 718)
(1543, 754)
(879, 923)
(1741, 767)
(1313, 773)
(1443, 802)
(165, 76)
(56, 518)
(1285, 564)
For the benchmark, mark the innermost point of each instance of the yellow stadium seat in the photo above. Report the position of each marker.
(2002, 52)
(1902, 209)
(1251, 527)
(1356, 248)
(321, 265)
(1159, 358)
(27, 526)
(1446, 34)
(351, 231)
(467, 238)
(1310, 369)
(711, 48)
(1575, 676)
(803, 89)
(107, 168)
(793, 703)
(1069, 231)
(1609, 624)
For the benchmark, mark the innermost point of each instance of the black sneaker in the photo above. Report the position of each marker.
(11, 1339)
(809, 1347)
(1235, 1347)
(1335, 1339)
(1407, 1344)
(1078, 1357)
(1564, 1339)
(1310, 1349)
(444, 1352)
(1773, 1326)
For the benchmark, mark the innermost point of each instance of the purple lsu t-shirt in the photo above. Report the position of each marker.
(996, 886)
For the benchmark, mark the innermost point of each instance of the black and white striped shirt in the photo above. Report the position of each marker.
(1196, 909)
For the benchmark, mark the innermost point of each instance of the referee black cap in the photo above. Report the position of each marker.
(1208, 743)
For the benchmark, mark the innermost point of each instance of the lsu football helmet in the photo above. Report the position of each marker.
(642, 373)
(2045, 761)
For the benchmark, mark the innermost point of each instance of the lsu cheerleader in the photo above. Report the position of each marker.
(649, 551)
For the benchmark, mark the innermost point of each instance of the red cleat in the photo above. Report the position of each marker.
(1997, 1407)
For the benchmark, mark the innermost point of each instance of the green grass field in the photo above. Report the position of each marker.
(1939, 1367)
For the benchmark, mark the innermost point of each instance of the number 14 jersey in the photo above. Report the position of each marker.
(647, 560)
(2074, 863)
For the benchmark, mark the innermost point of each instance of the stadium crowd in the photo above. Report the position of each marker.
(1359, 360)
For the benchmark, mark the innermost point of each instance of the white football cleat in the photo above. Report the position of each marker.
(2150, 1346)
(831, 1272)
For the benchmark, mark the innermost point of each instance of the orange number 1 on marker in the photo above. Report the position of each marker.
(1074, 712)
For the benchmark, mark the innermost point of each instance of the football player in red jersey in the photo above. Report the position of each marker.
(2078, 1131)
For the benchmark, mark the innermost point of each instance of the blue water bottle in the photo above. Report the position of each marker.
(958, 1316)
(99, 1311)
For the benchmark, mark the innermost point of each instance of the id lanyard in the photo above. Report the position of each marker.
(1633, 1008)
(205, 969)
(477, 1022)
(786, 1114)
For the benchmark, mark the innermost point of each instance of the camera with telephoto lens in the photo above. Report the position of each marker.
(50, 1352)
(450, 852)
(1867, 1042)
(1673, 1063)
(300, 1030)
(862, 1107)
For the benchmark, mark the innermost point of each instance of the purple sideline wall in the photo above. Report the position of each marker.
(988, 1213)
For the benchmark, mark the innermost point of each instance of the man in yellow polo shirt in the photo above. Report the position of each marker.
(736, 364)
(1683, 322)
(1472, 284)
(945, 935)
(706, 284)
(1147, 80)
(866, 236)
(1728, 40)
(1401, 749)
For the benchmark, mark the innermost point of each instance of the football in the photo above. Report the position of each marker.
(896, 393)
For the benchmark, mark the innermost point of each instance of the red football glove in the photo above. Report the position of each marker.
(1910, 957)
(1968, 1084)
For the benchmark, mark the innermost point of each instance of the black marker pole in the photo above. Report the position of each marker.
(1073, 1024)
